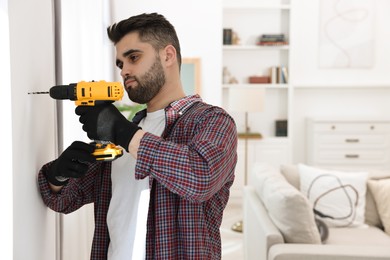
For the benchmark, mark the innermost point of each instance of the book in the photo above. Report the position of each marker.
(272, 43)
(278, 75)
(281, 35)
(281, 127)
(272, 39)
(284, 74)
(273, 74)
(227, 36)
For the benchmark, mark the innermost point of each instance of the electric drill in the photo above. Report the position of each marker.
(91, 94)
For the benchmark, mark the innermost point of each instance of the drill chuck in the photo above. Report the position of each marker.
(64, 92)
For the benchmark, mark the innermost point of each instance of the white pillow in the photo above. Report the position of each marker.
(339, 197)
(287, 207)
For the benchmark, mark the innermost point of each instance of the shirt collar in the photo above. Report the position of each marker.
(178, 107)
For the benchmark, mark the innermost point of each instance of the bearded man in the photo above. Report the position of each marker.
(164, 198)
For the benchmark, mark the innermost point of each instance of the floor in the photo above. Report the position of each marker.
(232, 242)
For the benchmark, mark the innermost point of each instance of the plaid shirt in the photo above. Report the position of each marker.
(191, 169)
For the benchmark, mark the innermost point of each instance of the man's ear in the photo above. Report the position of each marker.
(169, 56)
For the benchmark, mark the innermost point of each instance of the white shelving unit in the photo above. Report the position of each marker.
(250, 19)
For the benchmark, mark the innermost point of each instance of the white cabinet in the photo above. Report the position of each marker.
(348, 144)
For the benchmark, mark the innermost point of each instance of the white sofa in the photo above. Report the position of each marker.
(264, 238)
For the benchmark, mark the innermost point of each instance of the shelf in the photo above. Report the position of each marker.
(254, 47)
(259, 86)
(253, 136)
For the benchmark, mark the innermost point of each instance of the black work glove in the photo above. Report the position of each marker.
(104, 122)
(72, 163)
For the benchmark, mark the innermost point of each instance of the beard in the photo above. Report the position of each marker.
(149, 84)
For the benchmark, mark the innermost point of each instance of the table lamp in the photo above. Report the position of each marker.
(248, 100)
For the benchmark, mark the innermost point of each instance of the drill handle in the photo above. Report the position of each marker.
(103, 102)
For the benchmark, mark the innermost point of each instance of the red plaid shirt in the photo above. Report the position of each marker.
(191, 169)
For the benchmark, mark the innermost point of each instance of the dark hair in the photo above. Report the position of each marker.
(152, 28)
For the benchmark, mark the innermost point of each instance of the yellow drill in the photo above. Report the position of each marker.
(91, 94)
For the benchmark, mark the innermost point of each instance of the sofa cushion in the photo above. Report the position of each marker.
(372, 215)
(287, 207)
(338, 197)
(291, 173)
(380, 190)
(369, 236)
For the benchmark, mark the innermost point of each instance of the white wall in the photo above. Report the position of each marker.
(305, 41)
(6, 220)
(346, 93)
(33, 125)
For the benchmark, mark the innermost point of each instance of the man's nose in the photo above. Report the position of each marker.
(126, 70)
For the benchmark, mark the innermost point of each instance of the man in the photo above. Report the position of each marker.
(181, 148)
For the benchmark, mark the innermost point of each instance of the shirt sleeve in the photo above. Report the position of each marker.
(73, 195)
(196, 168)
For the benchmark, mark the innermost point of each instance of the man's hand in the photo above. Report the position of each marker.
(104, 122)
(72, 163)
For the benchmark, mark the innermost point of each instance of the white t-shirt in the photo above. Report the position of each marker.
(127, 213)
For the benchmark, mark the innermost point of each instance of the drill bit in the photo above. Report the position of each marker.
(39, 92)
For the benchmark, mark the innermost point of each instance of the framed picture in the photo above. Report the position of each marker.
(347, 34)
(190, 76)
